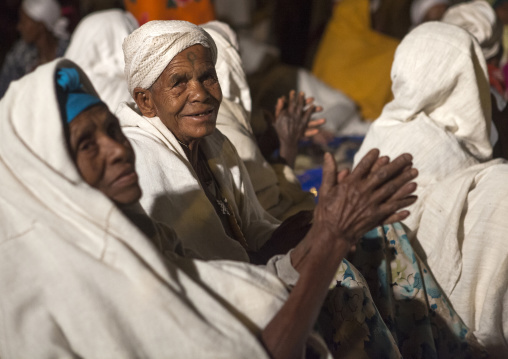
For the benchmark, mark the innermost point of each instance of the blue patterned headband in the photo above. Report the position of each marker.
(73, 99)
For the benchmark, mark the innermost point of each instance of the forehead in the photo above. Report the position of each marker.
(95, 115)
(191, 57)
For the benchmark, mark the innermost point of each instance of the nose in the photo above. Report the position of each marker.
(198, 92)
(115, 151)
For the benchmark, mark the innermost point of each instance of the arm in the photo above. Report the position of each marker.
(350, 205)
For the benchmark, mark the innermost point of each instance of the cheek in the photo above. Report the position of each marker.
(90, 171)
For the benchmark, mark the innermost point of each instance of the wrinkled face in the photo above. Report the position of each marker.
(187, 95)
(103, 155)
(28, 28)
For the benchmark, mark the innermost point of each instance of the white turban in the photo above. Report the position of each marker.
(149, 49)
(49, 13)
(480, 20)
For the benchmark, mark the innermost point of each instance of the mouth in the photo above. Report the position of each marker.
(126, 178)
(202, 115)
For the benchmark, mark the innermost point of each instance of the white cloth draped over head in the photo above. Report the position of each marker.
(480, 20)
(96, 46)
(149, 49)
(277, 187)
(49, 13)
(78, 279)
(441, 114)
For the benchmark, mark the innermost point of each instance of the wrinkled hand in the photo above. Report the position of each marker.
(351, 204)
(293, 122)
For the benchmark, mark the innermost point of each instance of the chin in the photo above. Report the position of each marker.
(128, 197)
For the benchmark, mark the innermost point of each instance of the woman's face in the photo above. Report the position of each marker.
(187, 95)
(103, 155)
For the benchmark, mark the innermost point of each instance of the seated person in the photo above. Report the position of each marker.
(276, 185)
(441, 114)
(172, 130)
(96, 46)
(43, 38)
(79, 280)
(481, 21)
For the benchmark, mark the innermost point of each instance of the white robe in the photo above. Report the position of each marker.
(79, 280)
(172, 193)
(441, 115)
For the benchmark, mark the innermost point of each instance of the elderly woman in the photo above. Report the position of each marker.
(79, 280)
(43, 38)
(171, 75)
(441, 113)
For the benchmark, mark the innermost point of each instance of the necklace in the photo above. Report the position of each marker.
(183, 144)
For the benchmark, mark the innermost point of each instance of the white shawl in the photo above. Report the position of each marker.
(79, 280)
(277, 188)
(440, 114)
(172, 193)
(96, 46)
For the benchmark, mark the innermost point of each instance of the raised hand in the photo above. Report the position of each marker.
(351, 204)
(293, 122)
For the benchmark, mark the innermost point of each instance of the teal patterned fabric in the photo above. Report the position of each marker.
(395, 309)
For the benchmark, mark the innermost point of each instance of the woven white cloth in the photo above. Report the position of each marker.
(79, 280)
(277, 187)
(440, 114)
(49, 13)
(480, 20)
(149, 49)
(96, 46)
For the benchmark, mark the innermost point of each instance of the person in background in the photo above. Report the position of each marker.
(441, 114)
(96, 46)
(276, 185)
(44, 37)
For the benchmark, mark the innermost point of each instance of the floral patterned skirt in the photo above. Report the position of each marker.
(395, 309)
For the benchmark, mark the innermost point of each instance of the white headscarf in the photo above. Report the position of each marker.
(96, 46)
(149, 49)
(479, 19)
(441, 110)
(49, 13)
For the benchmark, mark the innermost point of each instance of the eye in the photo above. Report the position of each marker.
(86, 145)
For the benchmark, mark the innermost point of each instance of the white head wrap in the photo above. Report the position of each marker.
(49, 13)
(149, 49)
(479, 19)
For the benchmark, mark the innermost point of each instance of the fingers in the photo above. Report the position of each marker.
(385, 173)
(364, 167)
(397, 217)
(279, 106)
(396, 188)
(381, 161)
(329, 174)
(309, 132)
(390, 209)
(342, 175)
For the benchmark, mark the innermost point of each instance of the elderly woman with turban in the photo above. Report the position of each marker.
(78, 279)
(441, 114)
(192, 176)
(43, 38)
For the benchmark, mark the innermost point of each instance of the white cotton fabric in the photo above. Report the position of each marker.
(440, 114)
(172, 193)
(149, 49)
(277, 187)
(49, 13)
(79, 280)
(480, 20)
(96, 46)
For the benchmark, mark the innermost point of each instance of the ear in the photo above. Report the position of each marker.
(144, 100)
